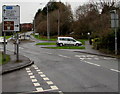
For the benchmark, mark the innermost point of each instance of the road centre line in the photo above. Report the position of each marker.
(91, 63)
(114, 70)
(63, 56)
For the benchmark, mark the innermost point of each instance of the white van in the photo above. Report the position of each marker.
(61, 41)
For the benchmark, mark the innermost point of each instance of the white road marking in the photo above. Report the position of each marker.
(43, 75)
(34, 80)
(36, 84)
(82, 58)
(47, 90)
(63, 56)
(114, 70)
(40, 72)
(60, 92)
(45, 78)
(36, 68)
(54, 87)
(32, 76)
(30, 73)
(96, 58)
(27, 69)
(107, 58)
(21, 48)
(49, 82)
(48, 53)
(40, 89)
(91, 63)
(34, 65)
(89, 58)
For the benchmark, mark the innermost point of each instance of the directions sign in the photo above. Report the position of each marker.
(11, 18)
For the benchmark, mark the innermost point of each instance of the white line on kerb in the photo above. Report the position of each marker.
(63, 56)
(114, 70)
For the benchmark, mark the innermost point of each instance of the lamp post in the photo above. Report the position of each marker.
(115, 25)
(58, 22)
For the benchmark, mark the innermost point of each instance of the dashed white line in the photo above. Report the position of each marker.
(37, 70)
(46, 79)
(40, 89)
(82, 58)
(114, 70)
(54, 87)
(49, 82)
(32, 77)
(27, 69)
(40, 72)
(43, 75)
(30, 73)
(34, 80)
(91, 63)
(36, 84)
(63, 56)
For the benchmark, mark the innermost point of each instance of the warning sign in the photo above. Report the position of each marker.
(8, 25)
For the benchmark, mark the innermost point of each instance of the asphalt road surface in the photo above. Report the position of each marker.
(62, 71)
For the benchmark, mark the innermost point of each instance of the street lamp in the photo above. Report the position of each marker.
(58, 22)
(115, 25)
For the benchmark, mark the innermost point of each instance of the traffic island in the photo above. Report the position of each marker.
(14, 65)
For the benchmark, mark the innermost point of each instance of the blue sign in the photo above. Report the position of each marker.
(9, 7)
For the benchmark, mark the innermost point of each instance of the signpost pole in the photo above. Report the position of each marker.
(4, 46)
(17, 43)
(115, 25)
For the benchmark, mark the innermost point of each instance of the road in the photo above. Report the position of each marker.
(62, 71)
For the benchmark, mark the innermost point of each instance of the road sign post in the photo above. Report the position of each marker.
(115, 25)
(11, 23)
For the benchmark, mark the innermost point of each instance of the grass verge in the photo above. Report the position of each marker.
(2, 61)
(67, 47)
(46, 43)
(44, 38)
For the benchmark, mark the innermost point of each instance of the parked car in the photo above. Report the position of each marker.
(2, 40)
(61, 41)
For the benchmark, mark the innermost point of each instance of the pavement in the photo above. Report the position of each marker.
(90, 50)
(13, 65)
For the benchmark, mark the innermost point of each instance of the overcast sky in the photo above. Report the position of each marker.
(28, 8)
